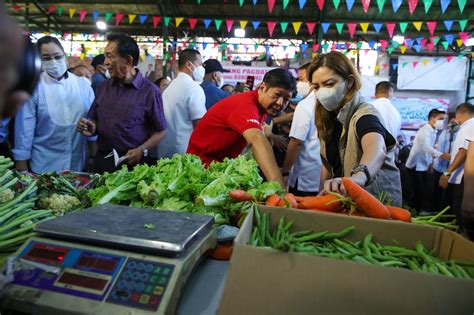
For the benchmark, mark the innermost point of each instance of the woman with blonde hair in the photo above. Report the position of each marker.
(355, 142)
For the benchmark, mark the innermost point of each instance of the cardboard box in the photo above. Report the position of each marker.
(266, 281)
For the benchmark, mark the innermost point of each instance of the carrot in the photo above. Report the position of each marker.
(399, 214)
(281, 203)
(321, 210)
(328, 202)
(291, 200)
(273, 200)
(240, 195)
(368, 204)
(222, 252)
(301, 199)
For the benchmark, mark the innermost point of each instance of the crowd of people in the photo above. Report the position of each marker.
(305, 133)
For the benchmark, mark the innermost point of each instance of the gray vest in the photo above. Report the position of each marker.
(387, 179)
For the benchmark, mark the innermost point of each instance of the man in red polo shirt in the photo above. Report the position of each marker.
(237, 121)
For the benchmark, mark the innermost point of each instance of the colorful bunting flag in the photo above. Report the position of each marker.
(315, 47)
(339, 27)
(143, 19)
(449, 58)
(131, 18)
(95, 15)
(383, 44)
(415, 63)
(448, 24)
(82, 15)
(403, 49)
(377, 27)
(218, 23)
(430, 47)
(267, 49)
(285, 4)
(325, 27)
(271, 5)
(302, 3)
(423, 42)
(178, 21)
(427, 4)
(51, 9)
(464, 37)
(284, 26)
(418, 25)
(390, 28)
(403, 27)
(271, 27)
(192, 23)
(380, 4)
(156, 20)
(207, 22)
(459, 42)
(255, 46)
(310, 26)
(352, 28)
(243, 24)
(255, 24)
(336, 3)
(431, 26)
(235, 46)
(395, 66)
(444, 5)
(17, 7)
(449, 38)
(462, 5)
(304, 47)
(389, 51)
(254, 2)
(434, 40)
(60, 11)
(377, 68)
(349, 4)
(365, 5)
(371, 44)
(412, 4)
(229, 24)
(241, 3)
(395, 44)
(118, 18)
(404, 64)
(296, 27)
(71, 12)
(462, 24)
(409, 43)
(108, 15)
(364, 27)
(320, 4)
(417, 47)
(396, 5)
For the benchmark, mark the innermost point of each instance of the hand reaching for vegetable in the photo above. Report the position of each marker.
(86, 127)
(134, 156)
(336, 185)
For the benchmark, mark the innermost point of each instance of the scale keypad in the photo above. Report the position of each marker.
(141, 284)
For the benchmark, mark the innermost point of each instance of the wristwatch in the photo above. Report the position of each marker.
(447, 174)
(145, 151)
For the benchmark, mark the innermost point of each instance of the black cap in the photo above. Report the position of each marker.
(213, 65)
(98, 60)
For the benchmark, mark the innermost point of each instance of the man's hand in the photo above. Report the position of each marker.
(279, 142)
(446, 156)
(134, 156)
(443, 181)
(86, 127)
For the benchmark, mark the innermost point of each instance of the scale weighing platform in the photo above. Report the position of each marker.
(103, 260)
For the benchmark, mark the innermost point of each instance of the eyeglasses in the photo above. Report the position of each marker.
(49, 58)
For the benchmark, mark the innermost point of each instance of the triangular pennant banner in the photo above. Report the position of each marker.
(462, 24)
(131, 18)
(229, 24)
(310, 26)
(254, 2)
(383, 44)
(284, 26)
(243, 24)
(390, 50)
(464, 37)
(431, 26)
(444, 5)
(336, 3)
(415, 63)
(430, 47)
(395, 44)
(352, 28)
(380, 4)
(320, 4)
(459, 42)
(315, 47)
(364, 27)
(207, 22)
(417, 47)
(427, 4)
(462, 4)
(304, 47)
(51, 9)
(418, 25)
(143, 19)
(325, 27)
(423, 42)
(339, 27)
(235, 46)
(409, 43)
(302, 3)
(156, 20)
(60, 11)
(377, 27)
(403, 27)
(390, 28)
(448, 24)
(71, 12)
(218, 24)
(403, 49)
(285, 4)
(296, 27)
(192, 23)
(178, 21)
(167, 20)
(271, 27)
(412, 4)
(95, 15)
(435, 40)
(118, 18)
(271, 5)
(449, 58)
(267, 49)
(108, 15)
(395, 66)
(365, 5)
(396, 5)
(349, 4)
(371, 44)
(82, 15)
(204, 45)
(255, 24)
(449, 38)
(241, 2)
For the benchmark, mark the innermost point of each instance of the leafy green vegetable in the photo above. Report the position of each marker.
(149, 226)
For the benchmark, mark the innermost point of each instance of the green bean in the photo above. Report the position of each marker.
(366, 243)
(393, 263)
(254, 237)
(312, 237)
(433, 268)
(443, 270)
(413, 265)
(340, 234)
(463, 272)
(361, 259)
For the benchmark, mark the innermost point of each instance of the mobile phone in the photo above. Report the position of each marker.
(250, 81)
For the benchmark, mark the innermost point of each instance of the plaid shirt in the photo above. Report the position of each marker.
(127, 115)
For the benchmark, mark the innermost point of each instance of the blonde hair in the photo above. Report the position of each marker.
(342, 66)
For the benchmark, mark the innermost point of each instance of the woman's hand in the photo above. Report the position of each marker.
(335, 184)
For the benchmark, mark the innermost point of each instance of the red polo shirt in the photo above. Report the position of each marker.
(219, 134)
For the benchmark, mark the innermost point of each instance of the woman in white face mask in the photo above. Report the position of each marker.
(45, 129)
(354, 141)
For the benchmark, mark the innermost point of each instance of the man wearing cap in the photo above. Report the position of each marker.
(101, 74)
(213, 82)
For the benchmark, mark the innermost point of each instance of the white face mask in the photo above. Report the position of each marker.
(439, 125)
(107, 74)
(303, 88)
(199, 73)
(331, 98)
(55, 68)
(221, 83)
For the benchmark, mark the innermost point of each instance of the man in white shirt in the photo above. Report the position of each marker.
(383, 94)
(184, 104)
(421, 158)
(467, 210)
(452, 179)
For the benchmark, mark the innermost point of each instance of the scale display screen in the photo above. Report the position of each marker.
(83, 281)
(97, 263)
(47, 254)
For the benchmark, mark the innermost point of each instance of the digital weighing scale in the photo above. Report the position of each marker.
(103, 260)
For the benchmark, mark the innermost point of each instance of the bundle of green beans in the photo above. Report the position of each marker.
(333, 245)
(434, 220)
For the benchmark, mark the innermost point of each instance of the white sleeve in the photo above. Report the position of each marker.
(25, 127)
(196, 103)
(301, 124)
(426, 145)
(469, 136)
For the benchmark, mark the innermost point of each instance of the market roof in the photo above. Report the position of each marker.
(54, 16)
